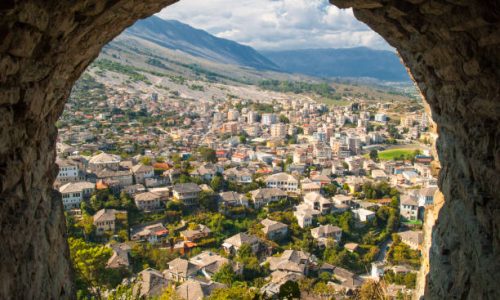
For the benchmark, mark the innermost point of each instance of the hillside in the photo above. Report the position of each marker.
(348, 62)
(182, 37)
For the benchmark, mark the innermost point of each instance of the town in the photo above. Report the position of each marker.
(278, 198)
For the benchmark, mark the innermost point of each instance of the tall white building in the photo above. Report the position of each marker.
(269, 119)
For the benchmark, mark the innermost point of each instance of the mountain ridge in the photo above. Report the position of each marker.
(341, 62)
(176, 35)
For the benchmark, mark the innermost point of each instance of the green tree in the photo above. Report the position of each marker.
(289, 290)
(89, 262)
(146, 160)
(208, 201)
(374, 155)
(225, 275)
(217, 183)
(208, 154)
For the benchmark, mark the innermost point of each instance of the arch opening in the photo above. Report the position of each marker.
(450, 49)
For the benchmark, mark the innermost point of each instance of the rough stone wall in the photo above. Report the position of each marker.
(44, 47)
(451, 48)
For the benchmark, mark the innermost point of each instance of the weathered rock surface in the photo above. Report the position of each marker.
(451, 48)
(44, 47)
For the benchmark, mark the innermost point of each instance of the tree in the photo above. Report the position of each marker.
(371, 290)
(323, 290)
(235, 292)
(289, 290)
(284, 119)
(208, 201)
(330, 189)
(217, 183)
(89, 262)
(170, 294)
(208, 154)
(374, 155)
(146, 160)
(225, 275)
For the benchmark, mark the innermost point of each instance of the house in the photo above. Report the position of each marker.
(317, 202)
(321, 179)
(117, 178)
(209, 263)
(197, 290)
(277, 279)
(307, 186)
(283, 181)
(120, 257)
(141, 172)
(103, 161)
(234, 243)
(348, 282)
(351, 247)
(323, 233)
(150, 283)
(134, 189)
(187, 193)
(264, 196)
(74, 192)
(340, 199)
(413, 239)
(238, 175)
(206, 171)
(68, 171)
(150, 233)
(105, 220)
(425, 196)
(408, 207)
(379, 175)
(363, 215)
(180, 270)
(274, 230)
(195, 234)
(305, 214)
(148, 201)
(231, 199)
(291, 261)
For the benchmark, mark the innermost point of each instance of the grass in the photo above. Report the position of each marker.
(395, 154)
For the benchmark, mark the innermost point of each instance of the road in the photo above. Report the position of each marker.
(383, 249)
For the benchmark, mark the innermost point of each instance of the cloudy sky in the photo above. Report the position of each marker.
(276, 24)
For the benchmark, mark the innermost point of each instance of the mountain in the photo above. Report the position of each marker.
(179, 36)
(345, 62)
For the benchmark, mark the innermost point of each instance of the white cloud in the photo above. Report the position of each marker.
(277, 24)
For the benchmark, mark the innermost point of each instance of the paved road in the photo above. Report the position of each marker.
(383, 249)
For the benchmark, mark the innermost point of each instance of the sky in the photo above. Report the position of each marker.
(277, 24)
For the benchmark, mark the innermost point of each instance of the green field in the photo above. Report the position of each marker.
(392, 154)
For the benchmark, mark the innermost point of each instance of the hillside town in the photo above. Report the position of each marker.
(204, 199)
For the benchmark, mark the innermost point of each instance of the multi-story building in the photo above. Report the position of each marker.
(278, 130)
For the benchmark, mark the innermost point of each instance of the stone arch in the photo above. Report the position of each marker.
(450, 47)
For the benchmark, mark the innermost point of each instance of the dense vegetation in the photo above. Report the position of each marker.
(297, 87)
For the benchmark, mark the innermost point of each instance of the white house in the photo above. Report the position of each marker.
(409, 207)
(425, 196)
(74, 192)
(104, 161)
(305, 214)
(318, 202)
(141, 172)
(363, 215)
(68, 171)
(283, 181)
